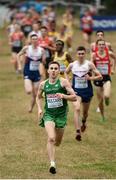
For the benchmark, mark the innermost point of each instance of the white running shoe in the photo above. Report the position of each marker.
(52, 167)
(98, 109)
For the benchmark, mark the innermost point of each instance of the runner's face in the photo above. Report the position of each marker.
(17, 27)
(34, 40)
(53, 71)
(59, 47)
(44, 32)
(35, 27)
(101, 45)
(100, 35)
(81, 55)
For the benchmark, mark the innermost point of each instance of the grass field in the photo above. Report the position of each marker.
(23, 152)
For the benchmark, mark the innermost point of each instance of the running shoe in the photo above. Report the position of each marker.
(52, 170)
(103, 119)
(107, 102)
(98, 110)
(83, 127)
(78, 135)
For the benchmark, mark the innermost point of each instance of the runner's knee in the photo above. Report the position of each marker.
(77, 108)
(57, 143)
(106, 96)
(51, 139)
(85, 114)
(28, 91)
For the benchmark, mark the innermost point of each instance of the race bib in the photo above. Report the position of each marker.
(80, 83)
(86, 26)
(103, 68)
(34, 65)
(47, 53)
(53, 101)
(17, 43)
(27, 28)
(62, 67)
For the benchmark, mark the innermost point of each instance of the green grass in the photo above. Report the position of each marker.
(23, 143)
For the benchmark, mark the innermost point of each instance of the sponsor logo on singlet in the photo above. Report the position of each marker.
(53, 101)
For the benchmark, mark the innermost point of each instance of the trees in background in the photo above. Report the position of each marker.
(110, 7)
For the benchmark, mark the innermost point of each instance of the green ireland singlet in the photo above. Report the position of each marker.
(55, 108)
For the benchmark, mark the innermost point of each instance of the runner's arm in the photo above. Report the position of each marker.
(43, 57)
(10, 39)
(39, 97)
(51, 46)
(109, 46)
(91, 46)
(69, 58)
(71, 96)
(22, 52)
(97, 75)
(93, 58)
(67, 71)
(42, 72)
(112, 55)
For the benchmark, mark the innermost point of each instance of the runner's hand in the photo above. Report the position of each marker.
(60, 95)
(112, 72)
(40, 113)
(87, 77)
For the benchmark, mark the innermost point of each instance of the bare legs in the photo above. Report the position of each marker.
(85, 110)
(76, 106)
(31, 88)
(103, 93)
(14, 61)
(85, 115)
(87, 39)
(54, 138)
(17, 64)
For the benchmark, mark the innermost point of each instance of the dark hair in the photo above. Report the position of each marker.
(52, 6)
(99, 32)
(81, 48)
(61, 42)
(100, 40)
(11, 18)
(33, 35)
(54, 62)
(44, 27)
(35, 22)
(17, 24)
(39, 22)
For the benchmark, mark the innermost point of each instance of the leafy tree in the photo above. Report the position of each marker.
(110, 7)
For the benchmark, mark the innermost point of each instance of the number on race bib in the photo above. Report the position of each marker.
(17, 43)
(34, 65)
(27, 28)
(80, 83)
(103, 68)
(47, 53)
(53, 101)
(62, 67)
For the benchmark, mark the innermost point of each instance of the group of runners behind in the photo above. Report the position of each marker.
(50, 73)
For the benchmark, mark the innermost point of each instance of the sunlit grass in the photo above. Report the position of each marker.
(23, 143)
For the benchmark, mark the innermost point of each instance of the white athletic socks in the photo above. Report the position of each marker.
(52, 163)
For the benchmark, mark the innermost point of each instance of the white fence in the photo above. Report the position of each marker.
(4, 15)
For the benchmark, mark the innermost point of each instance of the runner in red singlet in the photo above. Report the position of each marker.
(16, 42)
(101, 59)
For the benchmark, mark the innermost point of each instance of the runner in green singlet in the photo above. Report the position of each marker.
(57, 91)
